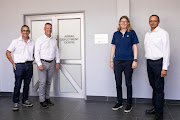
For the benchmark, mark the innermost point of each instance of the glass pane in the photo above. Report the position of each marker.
(36, 78)
(75, 72)
(65, 85)
(69, 38)
(52, 86)
(38, 28)
(35, 74)
(36, 32)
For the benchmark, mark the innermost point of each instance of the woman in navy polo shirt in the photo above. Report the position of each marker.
(124, 59)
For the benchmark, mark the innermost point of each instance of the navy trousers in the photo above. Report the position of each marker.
(24, 71)
(126, 67)
(154, 68)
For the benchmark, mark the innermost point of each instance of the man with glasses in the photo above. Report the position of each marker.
(22, 49)
(157, 53)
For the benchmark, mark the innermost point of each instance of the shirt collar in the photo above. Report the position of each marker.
(155, 30)
(46, 36)
(124, 32)
(20, 39)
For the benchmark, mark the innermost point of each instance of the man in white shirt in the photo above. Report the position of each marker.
(157, 53)
(23, 49)
(46, 51)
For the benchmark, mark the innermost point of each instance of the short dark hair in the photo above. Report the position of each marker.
(24, 26)
(48, 24)
(155, 16)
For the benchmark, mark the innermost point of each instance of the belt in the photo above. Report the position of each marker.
(49, 61)
(155, 60)
(26, 62)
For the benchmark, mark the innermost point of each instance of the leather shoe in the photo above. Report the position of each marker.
(43, 104)
(49, 102)
(151, 111)
(158, 117)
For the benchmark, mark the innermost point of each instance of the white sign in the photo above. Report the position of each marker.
(101, 38)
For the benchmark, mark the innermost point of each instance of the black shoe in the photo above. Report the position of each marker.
(27, 103)
(49, 102)
(158, 117)
(151, 111)
(117, 106)
(128, 108)
(43, 104)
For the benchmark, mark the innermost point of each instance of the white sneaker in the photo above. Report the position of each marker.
(15, 107)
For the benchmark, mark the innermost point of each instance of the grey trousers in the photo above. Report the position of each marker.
(45, 79)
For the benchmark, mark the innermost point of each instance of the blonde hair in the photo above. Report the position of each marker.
(129, 27)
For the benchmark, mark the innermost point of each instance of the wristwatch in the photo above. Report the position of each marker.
(135, 60)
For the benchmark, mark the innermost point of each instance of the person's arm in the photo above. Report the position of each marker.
(8, 54)
(37, 55)
(112, 56)
(166, 54)
(135, 50)
(57, 58)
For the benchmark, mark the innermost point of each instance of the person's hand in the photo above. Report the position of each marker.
(14, 66)
(57, 66)
(134, 65)
(41, 67)
(163, 73)
(111, 65)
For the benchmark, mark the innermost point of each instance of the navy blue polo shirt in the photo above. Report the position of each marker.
(124, 43)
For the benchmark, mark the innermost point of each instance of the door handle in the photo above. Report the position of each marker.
(57, 40)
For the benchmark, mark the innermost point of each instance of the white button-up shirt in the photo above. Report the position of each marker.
(157, 46)
(46, 48)
(21, 50)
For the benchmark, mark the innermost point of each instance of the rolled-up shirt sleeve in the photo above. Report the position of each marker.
(11, 47)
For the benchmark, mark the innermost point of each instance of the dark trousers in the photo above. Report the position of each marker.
(154, 68)
(23, 71)
(126, 67)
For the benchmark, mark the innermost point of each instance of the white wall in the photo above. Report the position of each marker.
(100, 17)
(168, 12)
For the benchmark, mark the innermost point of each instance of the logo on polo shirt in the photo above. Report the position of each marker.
(127, 35)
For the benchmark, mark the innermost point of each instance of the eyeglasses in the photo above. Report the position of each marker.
(153, 21)
(25, 30)
(123, 21)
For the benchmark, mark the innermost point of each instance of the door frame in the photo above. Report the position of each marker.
(27, 20)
